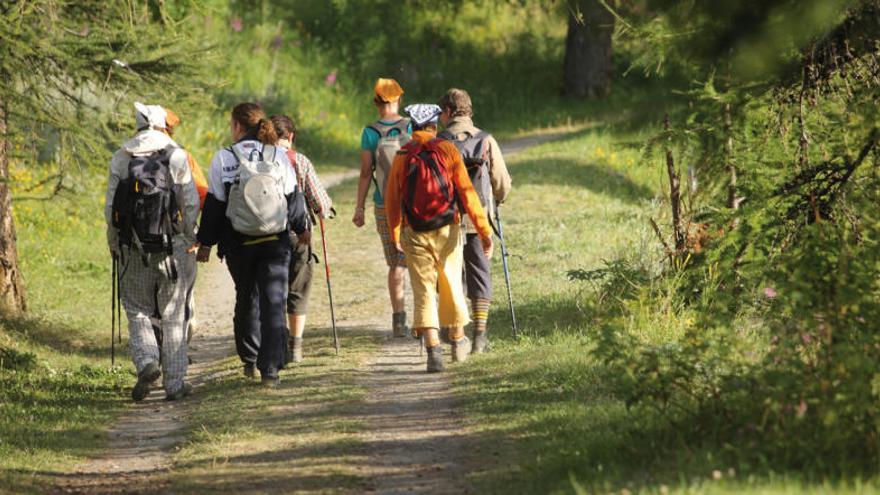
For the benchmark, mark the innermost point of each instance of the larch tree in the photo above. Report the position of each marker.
(65, 66)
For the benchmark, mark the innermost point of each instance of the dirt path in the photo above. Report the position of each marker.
(415, 440)
(143, 438)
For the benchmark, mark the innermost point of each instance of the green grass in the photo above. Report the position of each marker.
(53, 412)
(546, 406)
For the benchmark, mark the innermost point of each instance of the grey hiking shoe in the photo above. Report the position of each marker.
(146, 377)
(296, 349)
(435, 359)
(460, 349)
(398, 325)
(180, 393)
(481, 343)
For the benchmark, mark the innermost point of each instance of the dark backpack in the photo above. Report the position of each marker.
(474, 149)
(428, 199)
(145, 208)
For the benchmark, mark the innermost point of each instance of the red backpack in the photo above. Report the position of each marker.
(428, 197)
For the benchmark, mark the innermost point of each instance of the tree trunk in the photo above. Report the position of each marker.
(674, 197)
(588, 65)
(12, 301)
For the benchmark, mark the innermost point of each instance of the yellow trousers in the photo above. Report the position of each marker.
(434, 260)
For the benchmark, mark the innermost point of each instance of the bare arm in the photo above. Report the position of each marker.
(363, 186)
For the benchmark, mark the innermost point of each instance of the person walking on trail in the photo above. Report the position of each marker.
(427, 183)
(171, 122)
(380, 141)
(302, 260)
(252, 206)
(488, 173)
(151, 210)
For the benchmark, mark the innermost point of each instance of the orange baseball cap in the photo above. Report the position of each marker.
(387, 90)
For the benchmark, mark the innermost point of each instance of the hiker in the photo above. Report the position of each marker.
(488, 173)
(427, 183)
(380, 141)
(171, 122)
(302, 259)
(252, 205)
(151, 209)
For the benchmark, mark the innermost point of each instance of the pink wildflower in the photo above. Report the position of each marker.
(330, 80)
(770, 292)
(236, 24)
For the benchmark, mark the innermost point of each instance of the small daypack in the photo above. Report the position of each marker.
(474, 149)
(145, 207)
(389, 145)
(256, 205)
(429, 196)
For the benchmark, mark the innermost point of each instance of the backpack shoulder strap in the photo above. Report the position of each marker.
(237, 154)
(482, 148)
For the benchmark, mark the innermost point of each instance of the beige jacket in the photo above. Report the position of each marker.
(499, 177)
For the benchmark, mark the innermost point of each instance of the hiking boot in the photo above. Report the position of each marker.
(249, 370)
(180, 393)
(190, 330)
(481, 343)
(269, 378)
(398, 325)
(460, 349)
(435, 359)
(296, 349)
(146, 377)
(444, 335)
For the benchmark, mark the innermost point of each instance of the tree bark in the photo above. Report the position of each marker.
(12, 296)
(588, 64)
(674, 196)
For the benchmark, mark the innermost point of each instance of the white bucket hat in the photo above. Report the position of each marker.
(152, 116)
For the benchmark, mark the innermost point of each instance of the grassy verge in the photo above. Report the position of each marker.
(548, 408)
(57, 388)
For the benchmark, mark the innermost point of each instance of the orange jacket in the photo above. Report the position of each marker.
(463, 187)
(198, 179)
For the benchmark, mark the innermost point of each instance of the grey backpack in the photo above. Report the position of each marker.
(389, 145)
(257, 205)
(474, 150)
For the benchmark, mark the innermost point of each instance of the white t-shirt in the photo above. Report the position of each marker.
(224, 166)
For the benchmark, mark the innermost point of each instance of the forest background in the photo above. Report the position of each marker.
(717, 322)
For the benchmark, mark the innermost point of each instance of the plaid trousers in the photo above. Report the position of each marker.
(141, 288)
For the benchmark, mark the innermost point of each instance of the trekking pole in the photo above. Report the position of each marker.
(504, 256)
(118, 303)
(113, 313)
(329, 288)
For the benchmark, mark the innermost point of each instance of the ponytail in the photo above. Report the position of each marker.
(252, 117)
(267, 134)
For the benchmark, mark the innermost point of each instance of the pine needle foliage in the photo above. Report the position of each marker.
(66, 66)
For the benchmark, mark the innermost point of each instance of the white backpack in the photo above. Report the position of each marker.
(256, 205)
